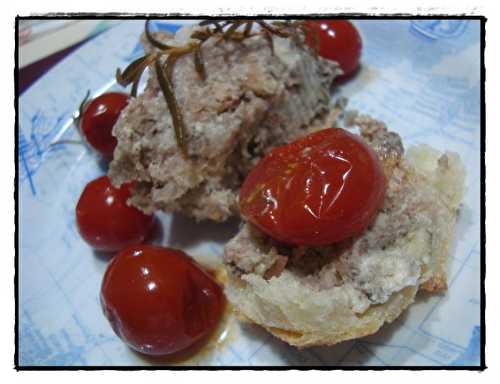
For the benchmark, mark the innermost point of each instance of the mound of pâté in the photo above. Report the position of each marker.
(235, 98)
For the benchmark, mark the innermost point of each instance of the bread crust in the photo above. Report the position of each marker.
(385, 313)
(371, 322)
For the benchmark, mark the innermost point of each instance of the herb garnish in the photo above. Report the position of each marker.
(225, 30)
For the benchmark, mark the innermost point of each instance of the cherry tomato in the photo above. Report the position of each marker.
(317, 190)
(338, 40)
(104, 219)
(98, 118)
(159, 301)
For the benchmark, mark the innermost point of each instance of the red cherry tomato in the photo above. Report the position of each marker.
(98, 118)
(104, 219)
(159, 301)
(317, 190)
(338, 40)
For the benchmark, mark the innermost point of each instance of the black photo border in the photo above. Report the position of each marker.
(359, 16)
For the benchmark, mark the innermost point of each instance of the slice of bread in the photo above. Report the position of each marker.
(322, 296)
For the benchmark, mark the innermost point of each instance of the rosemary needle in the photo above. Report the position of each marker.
(173, 106)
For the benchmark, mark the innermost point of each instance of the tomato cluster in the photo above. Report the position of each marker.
(315, 191)
(158, 300)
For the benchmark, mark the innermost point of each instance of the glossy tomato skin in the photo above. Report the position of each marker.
(317, 190)
(159, 301)
(98, 118)
(338, 40)
(104, 219)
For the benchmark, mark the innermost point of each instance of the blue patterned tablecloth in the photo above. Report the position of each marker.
(421, 77)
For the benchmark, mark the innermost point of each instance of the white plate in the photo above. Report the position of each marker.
(420, 77)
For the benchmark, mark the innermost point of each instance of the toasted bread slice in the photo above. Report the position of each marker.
(322, 296)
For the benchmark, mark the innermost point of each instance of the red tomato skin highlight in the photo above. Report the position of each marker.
(317, 190)
(104, 219)
(339, 40)
(159, 301)
(97, 121)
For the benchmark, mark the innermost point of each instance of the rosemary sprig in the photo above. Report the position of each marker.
(224, 30)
